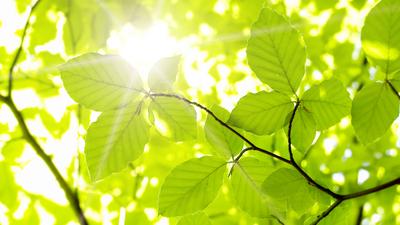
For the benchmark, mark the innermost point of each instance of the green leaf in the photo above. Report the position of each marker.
(191, 186)
(303, 129)
(224, 141)
(328, 102)
(101, 82)
(115, 139)
(87, 26)
(261, 113)
(178, 117)
(199, 218)
(374, 109)
(287, 186)
(381, 37)
(246, 180)
(163, 74)
(275, 53)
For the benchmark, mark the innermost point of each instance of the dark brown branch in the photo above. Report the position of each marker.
(393, 89)
(19, 50)
(360, 215)
(310, 180)
(327, 211)
(71, 196)
(251, 144)
(373, 189)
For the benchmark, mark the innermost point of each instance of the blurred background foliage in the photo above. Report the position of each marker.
(211, 36)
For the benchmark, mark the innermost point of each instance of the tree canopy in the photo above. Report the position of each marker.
(199, 112)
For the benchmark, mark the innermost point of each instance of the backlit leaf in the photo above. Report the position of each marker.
(101, 82)
(246, 180)
(303, 129)
(199, 218)
(163, 74)
(328, 103)
(224, 141)
(275, 52)
(115, 139)
(191, 186)
(178, 117)
(289, 187)
(381, 37)
(374, 109)
(261, 113)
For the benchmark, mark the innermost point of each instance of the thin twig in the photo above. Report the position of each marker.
(310, 180)
(360, 215)
(327, 211)
(373, 189)
(251, 144)
(393, 89)
(19, 50)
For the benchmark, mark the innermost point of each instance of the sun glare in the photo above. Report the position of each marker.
(142, 48)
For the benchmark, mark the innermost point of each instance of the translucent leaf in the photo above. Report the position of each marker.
(163, 74)
(303, 129)
(115, 139)
(199, 218)
(101, 82)
(191, 186)
(275, 52)
(381, 37)
(287, 186)
(328, 102)
(87, 26)
(261, 113)
(224, 141)
(246, 180)
(374, 109)
(179, 118)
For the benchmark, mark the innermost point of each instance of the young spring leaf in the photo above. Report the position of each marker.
(163, 74)
(381, 37)
(199, 218)
(100, 82)
(328, 103)
(191, 186)
(374, 109)
(287, 186)
(246, 180)
(303, 129)
(275, 53)
(224, 141)
(178, 117)
(261, 113)
(115, 139)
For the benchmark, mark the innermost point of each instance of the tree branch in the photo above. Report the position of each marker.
(19, 50)
(251, 144)
(373, 189)
(360, 215)
(393, 89)
(327, 211)
(310, 180)
(71, 196)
